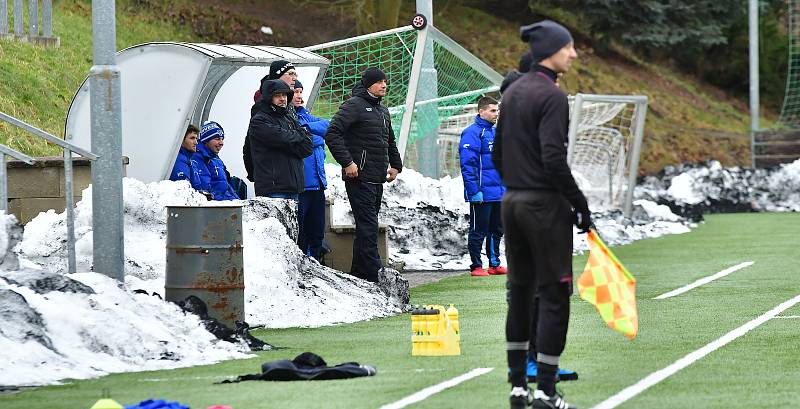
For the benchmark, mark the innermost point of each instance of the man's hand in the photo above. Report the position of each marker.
(476, 198)
(351, 171)
(392, 174)
(583, 220)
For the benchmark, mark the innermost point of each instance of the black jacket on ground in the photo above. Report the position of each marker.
(530, 146)
(361, 133)
(277, 145)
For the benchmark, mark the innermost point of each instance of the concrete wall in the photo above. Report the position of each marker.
(39, 187)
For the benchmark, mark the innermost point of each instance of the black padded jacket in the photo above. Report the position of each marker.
(361, 133)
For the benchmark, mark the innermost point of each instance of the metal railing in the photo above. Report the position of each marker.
(33, 19)
(69, 149)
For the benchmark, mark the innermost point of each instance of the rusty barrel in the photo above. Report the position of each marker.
(204, 259)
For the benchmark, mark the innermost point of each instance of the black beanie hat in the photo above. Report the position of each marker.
(297, 84)
(278, 68)
(371, 76)
(272, 87)
(545, 38)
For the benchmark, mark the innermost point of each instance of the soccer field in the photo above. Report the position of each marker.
(756, 366)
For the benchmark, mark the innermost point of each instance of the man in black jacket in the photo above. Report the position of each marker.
(277, 144)
(539, 207)
(361, 139)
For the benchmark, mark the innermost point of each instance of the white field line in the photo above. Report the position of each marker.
(432, 390)
(788, 317)
(704, 280)
(691, 358)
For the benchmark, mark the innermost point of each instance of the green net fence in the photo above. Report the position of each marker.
(790, 114)
(448, 82)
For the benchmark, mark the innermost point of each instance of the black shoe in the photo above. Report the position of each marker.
(520, 398)
(542, 401)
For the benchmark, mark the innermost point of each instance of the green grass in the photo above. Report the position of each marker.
(737, 375)
(37, 83)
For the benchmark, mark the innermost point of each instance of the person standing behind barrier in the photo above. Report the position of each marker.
(213, 174)
(482, 189)
(279, 70)
(361, 139)
(539, 207)
(185, 167)
(311, 211)
(278, 144)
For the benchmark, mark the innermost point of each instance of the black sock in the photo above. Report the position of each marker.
(546, 377)
(518, 367)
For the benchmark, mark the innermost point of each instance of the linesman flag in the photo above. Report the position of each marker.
(606, 284)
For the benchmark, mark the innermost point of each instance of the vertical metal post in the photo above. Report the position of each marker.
(633, 170)
(33, 18)
(754, 80)
(70, 207)
(18, 26)
(411, 96)
(3, 16)
(574, 121)
(427, 143)
(3, 183)
(106, 128)
(47, 18)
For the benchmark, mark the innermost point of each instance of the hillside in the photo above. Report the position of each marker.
(688, 121)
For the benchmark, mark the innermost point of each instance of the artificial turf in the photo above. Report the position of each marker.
(759, 369)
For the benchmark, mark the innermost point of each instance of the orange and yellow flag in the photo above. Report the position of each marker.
(606, 284)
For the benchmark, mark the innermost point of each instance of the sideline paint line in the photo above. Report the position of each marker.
(704, 280)
(432, 390)
(788, 317)
(692, 357)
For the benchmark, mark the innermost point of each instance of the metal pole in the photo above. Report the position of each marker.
(633, 170)
(18, 27)
(33, 18)
(574, 121)
(754, 81)
(70, 207)
(106, 127)
(3, 16)
(3, 183)
(47, 18)
(427, 146)
(411, 96)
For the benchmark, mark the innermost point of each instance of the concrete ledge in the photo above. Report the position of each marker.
(51, 42)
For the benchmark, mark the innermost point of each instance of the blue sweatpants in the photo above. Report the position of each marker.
(485, 222)
(311, 219)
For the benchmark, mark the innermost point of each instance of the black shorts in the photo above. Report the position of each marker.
(538, 236)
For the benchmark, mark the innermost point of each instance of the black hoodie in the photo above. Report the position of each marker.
(361, 133)
(277, 144)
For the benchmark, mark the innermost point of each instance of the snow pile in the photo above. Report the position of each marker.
(282, 287)
(692, 190)
(85, 325)
(428, 220)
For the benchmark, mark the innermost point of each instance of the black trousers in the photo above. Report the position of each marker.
(365, 201)
(539, 250)
(311, 219)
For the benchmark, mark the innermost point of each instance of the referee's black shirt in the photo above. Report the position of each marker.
(530, 147)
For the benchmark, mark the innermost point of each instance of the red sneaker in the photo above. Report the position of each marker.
(497, 271)
(478, 272)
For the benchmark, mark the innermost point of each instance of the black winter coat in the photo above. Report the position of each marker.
(277, 145)
(530, 145)
(361, 133)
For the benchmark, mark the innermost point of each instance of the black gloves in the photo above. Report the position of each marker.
(582, 219)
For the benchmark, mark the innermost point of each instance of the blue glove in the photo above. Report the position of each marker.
(477, 197)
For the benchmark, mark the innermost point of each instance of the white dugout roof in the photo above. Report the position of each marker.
(167, 86)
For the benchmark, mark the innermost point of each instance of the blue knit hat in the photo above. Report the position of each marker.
(297, 84)
(545, 38)
(211, 130)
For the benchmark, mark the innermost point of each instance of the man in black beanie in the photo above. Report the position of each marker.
(539, 207)
(361, 139)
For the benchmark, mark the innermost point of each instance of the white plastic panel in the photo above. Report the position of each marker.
(231, 109)
(159, 85)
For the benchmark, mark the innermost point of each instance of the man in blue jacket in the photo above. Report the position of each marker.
(311, 210)
(213, 175)
(185, 167)
(482, 189)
